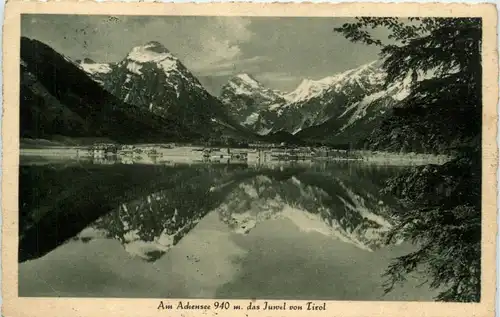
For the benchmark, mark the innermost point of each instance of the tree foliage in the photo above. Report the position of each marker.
(440, 61)
(441, 214)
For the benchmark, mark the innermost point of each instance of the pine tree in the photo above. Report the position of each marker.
(441, 57)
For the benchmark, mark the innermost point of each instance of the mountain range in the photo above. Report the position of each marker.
(150, 95)
(342, 108)
(154, 79)
(339, 108)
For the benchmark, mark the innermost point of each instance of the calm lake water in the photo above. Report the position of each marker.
(303, 231)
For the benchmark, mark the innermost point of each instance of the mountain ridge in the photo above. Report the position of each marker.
(342, 108)
(311, 103)
(58, 98)
(151, 77)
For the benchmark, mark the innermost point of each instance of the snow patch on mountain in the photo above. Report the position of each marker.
(134, 68)
(312, 103)
(96, 71)
(245, 85)
(251, 119)
(360, 108)
(168, 65)
(157, 54)
(239, 90)
(275, 106)
(249, 80)
(395, 92)
(297, 130)
(95, 68)
(264, 131)
(309, 88)
(150, 53)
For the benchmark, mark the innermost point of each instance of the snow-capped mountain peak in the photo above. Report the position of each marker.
(152, 78)
(91, 67)
(246, 85)
(96, 71)
(243, 96)
(249, 80)
(150, 52)
(344, 97)
(309, 88)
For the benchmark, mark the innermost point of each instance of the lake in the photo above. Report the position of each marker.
(207, 230)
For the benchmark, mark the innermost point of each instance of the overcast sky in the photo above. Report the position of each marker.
(279, 52)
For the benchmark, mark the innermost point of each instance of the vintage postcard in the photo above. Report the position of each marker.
(249, 159)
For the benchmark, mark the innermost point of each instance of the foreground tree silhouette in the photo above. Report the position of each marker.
(441, 60)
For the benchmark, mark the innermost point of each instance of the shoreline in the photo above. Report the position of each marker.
(381, 157)
(186, 153)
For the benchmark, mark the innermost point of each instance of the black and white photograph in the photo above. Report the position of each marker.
(250, 157)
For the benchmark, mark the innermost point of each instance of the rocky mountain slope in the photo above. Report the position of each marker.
(245, 97)
(155, 80)
(98, 71)
(339, 108)
(58, 99)
(359, 118)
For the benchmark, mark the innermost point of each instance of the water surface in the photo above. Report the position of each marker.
(293, 231)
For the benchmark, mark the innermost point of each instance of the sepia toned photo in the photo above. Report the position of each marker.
(265, 160)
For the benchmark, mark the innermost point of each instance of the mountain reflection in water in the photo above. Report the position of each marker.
(176, 218)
